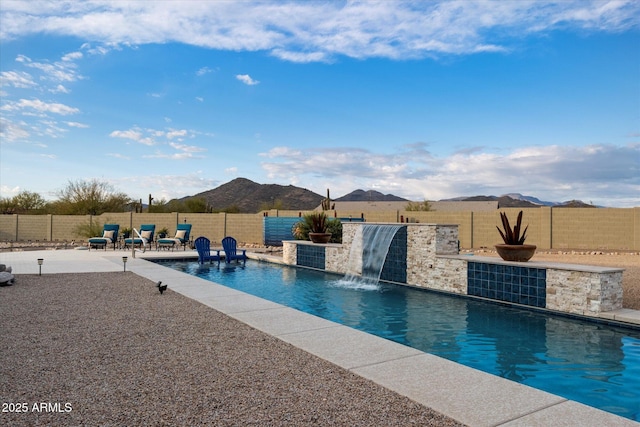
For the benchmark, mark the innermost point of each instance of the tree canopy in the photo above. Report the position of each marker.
(23, 202)
(91, 197)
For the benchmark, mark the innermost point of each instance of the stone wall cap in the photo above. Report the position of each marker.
(418, 224)
(536, 264)
(310, 243)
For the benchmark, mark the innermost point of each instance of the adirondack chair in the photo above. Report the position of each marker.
(204, 251)
(229, 245)
(109, 236)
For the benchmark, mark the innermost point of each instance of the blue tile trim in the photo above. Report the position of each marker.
(395, 264)
(310, 256)
(516, 284)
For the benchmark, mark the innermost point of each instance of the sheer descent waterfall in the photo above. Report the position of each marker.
(369, 250)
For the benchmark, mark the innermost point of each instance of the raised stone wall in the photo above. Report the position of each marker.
(448, 275)
(433, 262)
(584, 292)
(289, 252)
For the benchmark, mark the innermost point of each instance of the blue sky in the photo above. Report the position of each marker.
(425, 100)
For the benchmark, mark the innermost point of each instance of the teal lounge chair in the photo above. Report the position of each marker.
(229, 245)
(109, 237)
(203, 247)
(144, 239)
(181, 238)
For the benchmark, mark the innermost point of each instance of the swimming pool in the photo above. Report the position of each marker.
(592, 363)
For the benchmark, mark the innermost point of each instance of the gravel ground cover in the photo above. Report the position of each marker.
(109, 350)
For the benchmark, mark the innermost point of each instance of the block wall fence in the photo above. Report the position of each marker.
(549, 228)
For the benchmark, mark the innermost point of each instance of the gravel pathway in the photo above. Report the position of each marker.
(109, 350)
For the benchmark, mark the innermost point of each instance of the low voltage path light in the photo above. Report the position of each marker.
(40, 261)
(124, 263)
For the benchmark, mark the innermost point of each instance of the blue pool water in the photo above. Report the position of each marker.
(595, 364)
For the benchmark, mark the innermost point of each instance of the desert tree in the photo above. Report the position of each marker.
(92, 197)
(23, 202)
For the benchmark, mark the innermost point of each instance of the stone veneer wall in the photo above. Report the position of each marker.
(425, 242)
(583, 292)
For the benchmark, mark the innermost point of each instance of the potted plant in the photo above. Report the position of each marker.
(163, 233)
(313, 227)
(514, 248)
(126, 232)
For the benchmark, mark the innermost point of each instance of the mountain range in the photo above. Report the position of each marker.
(246, 196)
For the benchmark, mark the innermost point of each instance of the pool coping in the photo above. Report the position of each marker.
(465, 394)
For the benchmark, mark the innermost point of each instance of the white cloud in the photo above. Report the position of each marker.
(77, 125)
(168, 186)
(56, 72)
(39, 106)
(204, 70)
(156, 136)
(595, 173)
(59, 89)
(134, 134)
(314, 31)
(174, 133)
(12, 131)
(6, 191)
(17, 79)
(187, 148)
(184, 152)
(246, 79)
(72, 56)
(174, 156)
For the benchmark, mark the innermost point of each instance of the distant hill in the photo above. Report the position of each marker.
(250, 197)
(517, 200)
(369, 196)
(574, 204)
(503, 201)
(534, 200)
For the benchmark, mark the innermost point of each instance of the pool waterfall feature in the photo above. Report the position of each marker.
(427, 256)
(369, 251)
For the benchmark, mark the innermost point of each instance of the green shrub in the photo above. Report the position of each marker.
(88, 229)
(318, 222)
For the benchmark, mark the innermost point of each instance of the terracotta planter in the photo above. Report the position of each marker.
(521, 253)
(320, 237)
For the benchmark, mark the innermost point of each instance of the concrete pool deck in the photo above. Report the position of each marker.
(465, 394)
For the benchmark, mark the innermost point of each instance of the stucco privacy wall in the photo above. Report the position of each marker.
(244, 227)
(549, 228)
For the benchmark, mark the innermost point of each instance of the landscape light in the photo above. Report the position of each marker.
(40, 261)
(124, 263)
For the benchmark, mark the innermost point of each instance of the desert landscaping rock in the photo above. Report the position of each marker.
(108, 349)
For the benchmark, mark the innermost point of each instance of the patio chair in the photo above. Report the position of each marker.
(109, 236)
(229, 245)
(144, 239)
(181, 238)
(203, 247)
